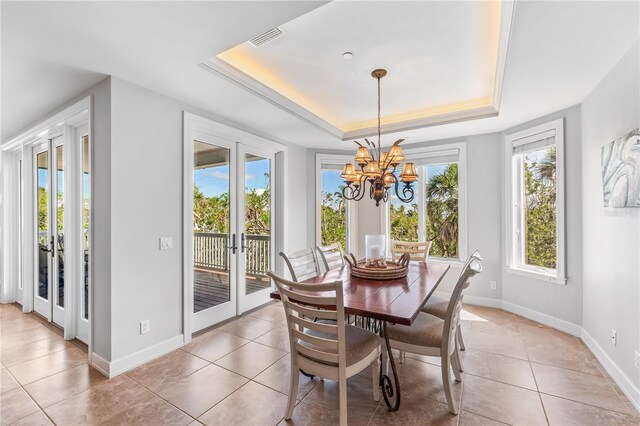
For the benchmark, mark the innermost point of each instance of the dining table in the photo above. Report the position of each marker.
(373, 304)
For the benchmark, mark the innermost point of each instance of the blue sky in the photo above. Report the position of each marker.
(214, 181)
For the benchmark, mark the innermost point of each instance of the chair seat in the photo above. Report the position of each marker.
(358, 343)
(425, 331)
(436, 306)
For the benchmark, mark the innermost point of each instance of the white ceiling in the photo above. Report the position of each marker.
(440, 56)
(51, 51)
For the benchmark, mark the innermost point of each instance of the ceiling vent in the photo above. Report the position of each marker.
(263, 38)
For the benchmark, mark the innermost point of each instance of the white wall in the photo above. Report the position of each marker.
(563, 302)
(611, 250)
(146, 204)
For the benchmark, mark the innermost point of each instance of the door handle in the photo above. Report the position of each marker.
(233, 246)
(242, 246)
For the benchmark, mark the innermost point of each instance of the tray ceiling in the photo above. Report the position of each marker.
(303, 71)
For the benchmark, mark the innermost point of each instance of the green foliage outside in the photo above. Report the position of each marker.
(442, 215)
(333, 219)
(404, 222)
(211, 214)
(540, 208)
(442, 212)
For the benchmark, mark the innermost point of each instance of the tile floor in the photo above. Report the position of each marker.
(516, 372)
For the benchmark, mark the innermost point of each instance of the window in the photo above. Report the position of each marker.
(535, 197)
(436, 212)
(335, 214)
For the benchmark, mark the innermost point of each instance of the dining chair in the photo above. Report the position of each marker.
(328, 347)
(433, 336)
(331, 256)
(417, 250)
(437, 306)
(302, 264)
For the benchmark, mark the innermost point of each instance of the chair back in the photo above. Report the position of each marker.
(302, 264)
(452, 319)
(474, 255)
(317, 347)
(418, 251)
(331, 256)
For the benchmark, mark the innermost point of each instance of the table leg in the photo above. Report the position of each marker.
(389, 388)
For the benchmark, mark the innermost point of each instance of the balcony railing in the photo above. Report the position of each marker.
(210, 251)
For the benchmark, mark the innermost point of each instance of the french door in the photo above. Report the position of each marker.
(232, 228)
(49, 207)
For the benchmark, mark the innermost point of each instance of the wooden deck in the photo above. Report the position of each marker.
(211, 287)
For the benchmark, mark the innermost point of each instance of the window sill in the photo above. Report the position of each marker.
(536, 275)
(451, 262)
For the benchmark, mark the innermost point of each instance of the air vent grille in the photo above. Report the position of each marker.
(266, 37)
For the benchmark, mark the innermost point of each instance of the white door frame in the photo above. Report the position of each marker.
(194, 124)
(59, 123)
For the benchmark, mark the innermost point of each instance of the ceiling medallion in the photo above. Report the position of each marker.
(378, 168)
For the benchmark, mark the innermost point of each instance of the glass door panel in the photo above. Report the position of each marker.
(214, 239)
(59, 228)
(86, 187)
(256, 237)
(43, 235)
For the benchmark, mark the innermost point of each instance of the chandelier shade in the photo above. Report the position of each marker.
(378, 168)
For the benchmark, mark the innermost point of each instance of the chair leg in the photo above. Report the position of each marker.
(459, 338)
(455, 363)
(446, 381)
(402, 356)
(343, 401)
(458, 360)
(375, 376)
(293, 390)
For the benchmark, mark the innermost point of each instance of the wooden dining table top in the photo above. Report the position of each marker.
(397, 301)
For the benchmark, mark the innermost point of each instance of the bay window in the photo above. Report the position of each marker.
(437, 212)
(335, 216)
(535, 202)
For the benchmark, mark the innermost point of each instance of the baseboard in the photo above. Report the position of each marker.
(628, 387)
(482, 301)
(100, 364)
(548, 320)
(129, 362)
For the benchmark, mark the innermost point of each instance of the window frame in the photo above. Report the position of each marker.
(436, 151)
(513, 212)
(352, 206)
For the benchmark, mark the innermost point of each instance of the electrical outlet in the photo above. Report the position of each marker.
(614, 337)
(494, 285)
(144, 327)
(166, 243)
(638, 360)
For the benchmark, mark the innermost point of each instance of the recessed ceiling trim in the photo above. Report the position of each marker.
(450, 117)
(244, 81)
(239, 78)
(506, 20)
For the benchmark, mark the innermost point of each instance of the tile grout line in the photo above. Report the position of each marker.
(544, 409)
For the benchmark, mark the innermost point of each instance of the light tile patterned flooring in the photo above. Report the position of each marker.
(516, 372)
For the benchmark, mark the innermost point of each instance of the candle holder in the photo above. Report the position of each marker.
(375, 250)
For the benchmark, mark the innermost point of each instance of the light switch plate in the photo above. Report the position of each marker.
(637, 360)
(166, 243)
(144, 327)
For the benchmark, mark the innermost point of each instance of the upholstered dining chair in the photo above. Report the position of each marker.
(437, 306)
(418, 251)
(433, 336)
(328, 347)
(331, 256)
(302, 264)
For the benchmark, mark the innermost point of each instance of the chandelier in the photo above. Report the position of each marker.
(378, 168)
